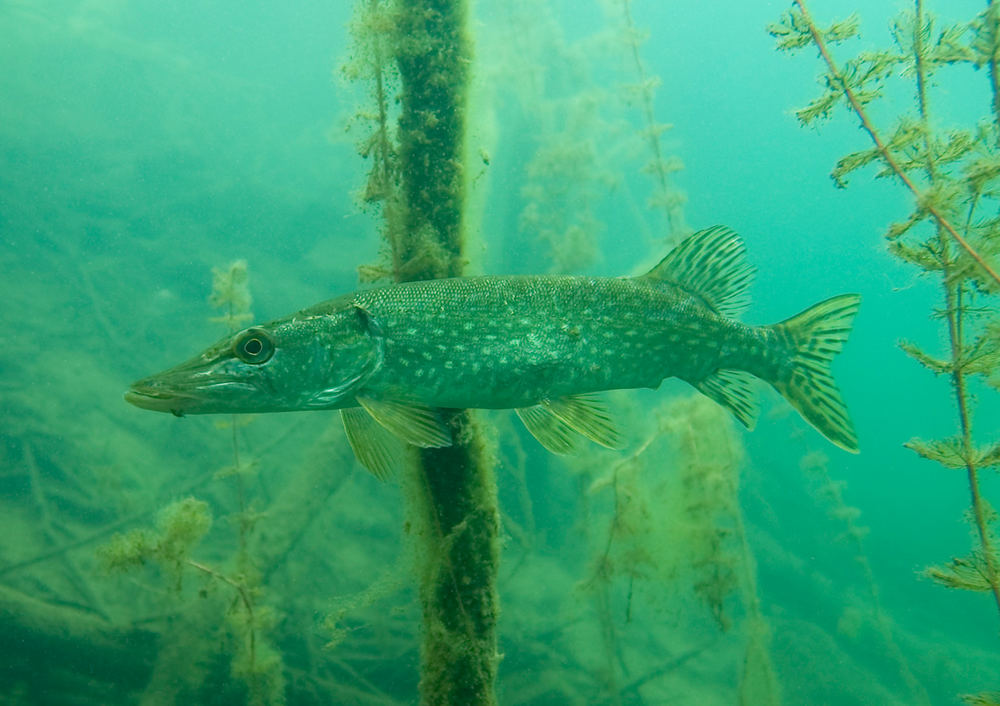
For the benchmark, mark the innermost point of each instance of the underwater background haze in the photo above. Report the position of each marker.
(151, 151)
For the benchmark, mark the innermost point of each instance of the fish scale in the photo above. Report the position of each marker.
(504, 342)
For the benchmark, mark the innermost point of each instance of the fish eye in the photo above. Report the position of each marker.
(254, 346)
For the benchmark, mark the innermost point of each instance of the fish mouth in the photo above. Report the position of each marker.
(158, 400)
(180, 395)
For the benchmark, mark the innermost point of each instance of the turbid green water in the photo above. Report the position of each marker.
(144, 144)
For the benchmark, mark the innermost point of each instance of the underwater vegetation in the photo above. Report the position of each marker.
(681, 529)
(420, 181)
(250, 559)
(952, 234)
(181, 526)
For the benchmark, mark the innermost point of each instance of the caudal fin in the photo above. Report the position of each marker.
(816, 336)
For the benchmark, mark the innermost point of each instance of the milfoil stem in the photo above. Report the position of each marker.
(247, 606)
(992, 575)
(953, 293)
(884, 151)
(991, 18)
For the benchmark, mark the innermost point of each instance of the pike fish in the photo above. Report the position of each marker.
(390, 357)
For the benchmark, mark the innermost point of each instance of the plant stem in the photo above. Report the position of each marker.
(674, 216)
(991, 19)
(868, 127)
(454, 493)
(953, 291)
(247, 604)
(952, 288)
(953, 297)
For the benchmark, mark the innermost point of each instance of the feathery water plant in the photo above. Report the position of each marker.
(660, 167)
(181, 525)
(231, 294)
(683, 529)
(953, 231)
(816, 465)
(179, 528)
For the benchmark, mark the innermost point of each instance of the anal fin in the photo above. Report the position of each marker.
(733, 389)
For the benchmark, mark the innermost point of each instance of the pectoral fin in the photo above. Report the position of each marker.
(413, 423)
(374, 446)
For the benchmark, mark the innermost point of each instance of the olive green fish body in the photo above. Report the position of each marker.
(509, 342)
(388, 357)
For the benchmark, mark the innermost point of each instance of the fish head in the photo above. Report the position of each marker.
(311, 360)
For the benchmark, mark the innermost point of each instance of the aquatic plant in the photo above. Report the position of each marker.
(374, 30)
(683, 530)
(952, 233)
(666, 195)
(179, 528)
(710, 456)
(420, 181)
(587, 104)
(562, 110)
(563, 181)
(181, 525)
(231, 294)
(815, 464)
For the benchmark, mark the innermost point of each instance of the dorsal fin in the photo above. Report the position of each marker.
(711, 265)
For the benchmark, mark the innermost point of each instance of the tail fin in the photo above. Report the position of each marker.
(816, 336)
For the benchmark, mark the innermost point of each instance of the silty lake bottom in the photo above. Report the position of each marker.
(170, 174)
